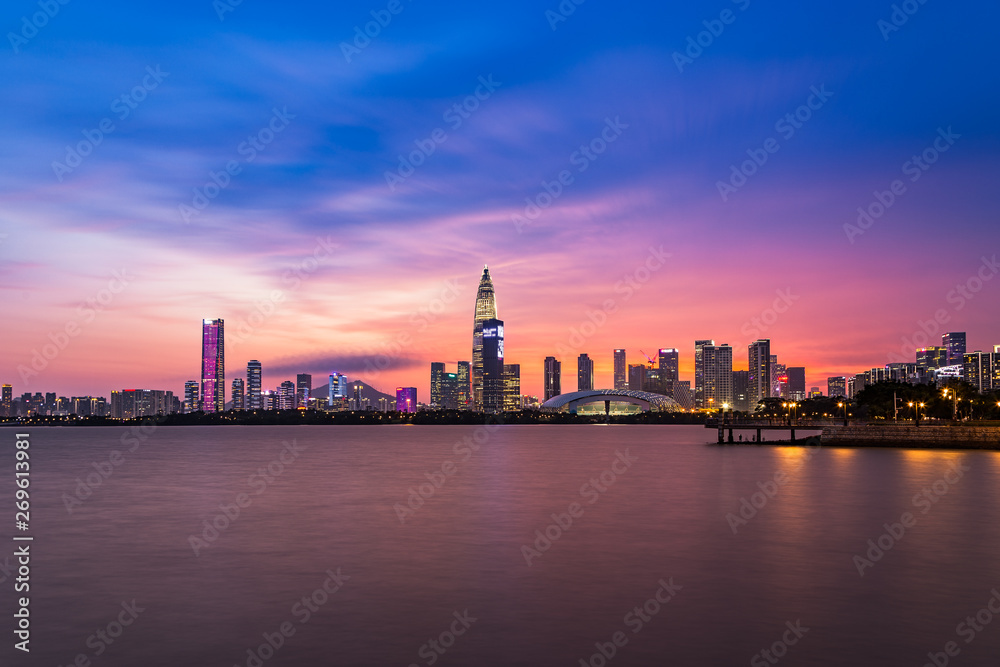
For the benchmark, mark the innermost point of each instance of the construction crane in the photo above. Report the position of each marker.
(648, 358)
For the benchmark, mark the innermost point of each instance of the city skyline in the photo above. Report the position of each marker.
(318, 262)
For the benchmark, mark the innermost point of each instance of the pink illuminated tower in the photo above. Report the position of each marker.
(213, 366)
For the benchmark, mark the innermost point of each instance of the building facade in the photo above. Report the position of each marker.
(584, 373)
(759, 360)
(621, 370)
(492, 360)
(486, 309)
(406, 399)
(239, 401)
(213, 366)
(254, 371)
(553, 378)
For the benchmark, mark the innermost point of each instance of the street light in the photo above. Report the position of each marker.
(916, 415)
(843, 404)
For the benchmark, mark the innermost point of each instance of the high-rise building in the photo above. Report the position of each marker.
(463, 393)
(357, 403)
(759, 358)
(954, 342)
(254, 401)
(239, 402)
(492, 358)
(553, 375)
(303, 389)
(437, 373)
(699, 373)
(621, 370)
(584, 373)
(7, 401)
(836, 387)
(511, 387)
(717, 376)
(406, 399)
(978, 370)
(637, 377)
(932, 358)
(486, 309)
(286, 395)
(449, 391)
(668, 364)
(337, 391)
(741, 391)
(683, 394)
(213, 366)
(191, 401)
(796, 383)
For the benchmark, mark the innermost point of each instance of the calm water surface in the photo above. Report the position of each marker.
(330, 507)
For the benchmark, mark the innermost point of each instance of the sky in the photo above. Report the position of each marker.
(635, 175)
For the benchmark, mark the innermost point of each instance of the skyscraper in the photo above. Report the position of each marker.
(977, 370)
(621, 370)
(254, 401)
(512, 387)
(741, 391)
(239, 402)
(286, 395)
(637, 377)
(437, 374)
(213, 366)
(699, 373)
(668, 367)
(486, 309)
(7, 401)
(303, 389)
(955, 344)
(717, 374)
(406, 399)
(492, 361)
(337, 391)
(191, 401)
(449, 391)
(836, 387)
(584, 373)
(796, 383)
(553, 373)
(931, 358)
(464, 388)
(759, 360)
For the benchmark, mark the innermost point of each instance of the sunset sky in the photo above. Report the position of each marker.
(349, 268)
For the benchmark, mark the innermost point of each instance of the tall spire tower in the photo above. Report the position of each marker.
(486, 309)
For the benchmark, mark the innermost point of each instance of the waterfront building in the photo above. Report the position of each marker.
(486, 309)
(213, 366)
(553, 375)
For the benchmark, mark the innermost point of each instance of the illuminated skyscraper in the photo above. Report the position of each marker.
(437, 375)
(213, 366)
(512, 386)
(449, 391)
(584, 373)
(717, 374)
(741, 396)
(553, 373)
(836, 387)
(955, 343)
(238, 399)
(337, 391)
(463, 391)
(254, 401)
(303, 389)
(669, 368)
(759, 357)
(7, 401)
(492, 365)
(621, 370)
(977, 370)
(406, 399)
(699, 373)
(486, 309)
(286, 395)
(191, 401)
(931, 358)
